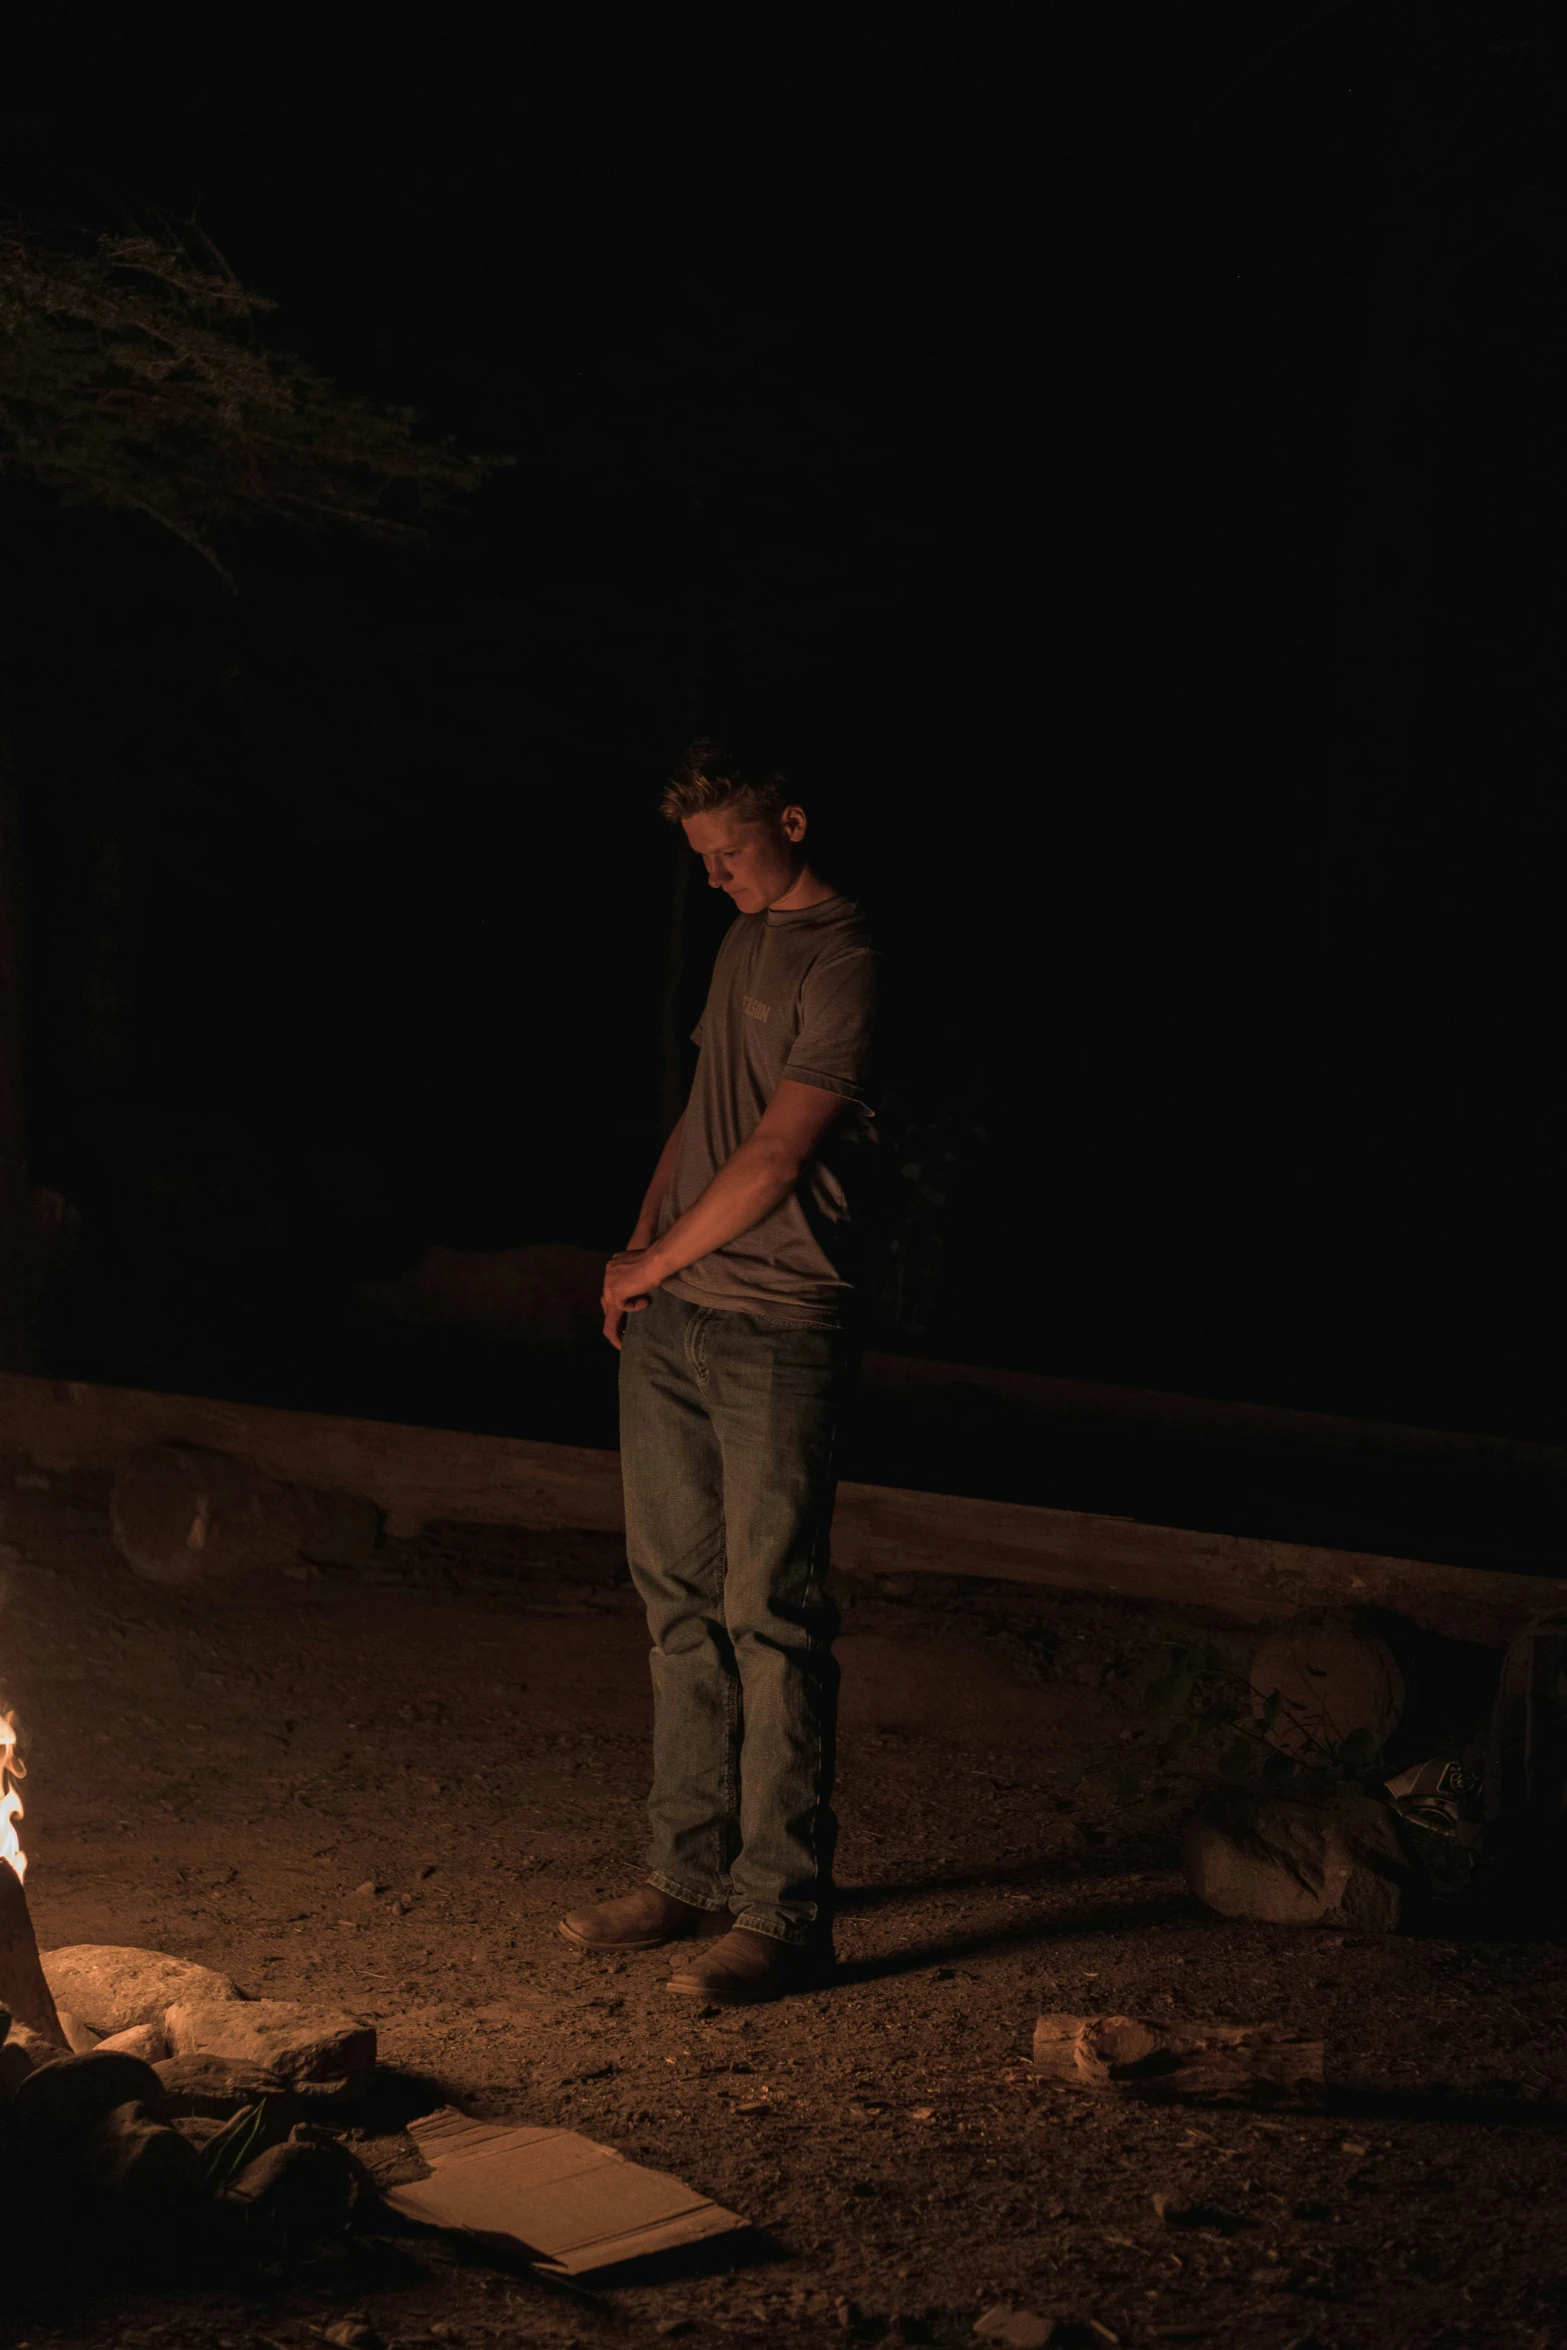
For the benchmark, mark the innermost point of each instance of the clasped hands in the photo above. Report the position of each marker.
(628, 1284)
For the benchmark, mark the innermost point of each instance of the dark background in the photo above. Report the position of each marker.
(1118, 465)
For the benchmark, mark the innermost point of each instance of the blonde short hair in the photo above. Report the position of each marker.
(709, 777)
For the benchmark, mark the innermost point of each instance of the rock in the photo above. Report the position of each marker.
(144, 2040)
(1206, 2216)
(138, 2159)
(80, 2037)
(112, 1986)
(199, 2128)
(71, 2095)
(319, 2051)
(297, 2192)
(1295, 1861)
(1332, 1682)
(215, 2086)
(1017, 2329)
(181, 1513)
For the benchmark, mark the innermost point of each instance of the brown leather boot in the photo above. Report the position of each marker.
(641, 1921)
(741, 1969)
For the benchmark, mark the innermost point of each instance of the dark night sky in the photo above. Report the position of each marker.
(1117, 462)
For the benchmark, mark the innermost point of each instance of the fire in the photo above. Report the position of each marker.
(12, 1768)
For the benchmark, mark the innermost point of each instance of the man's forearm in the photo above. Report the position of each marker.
(653, 1199)
(757, 1178)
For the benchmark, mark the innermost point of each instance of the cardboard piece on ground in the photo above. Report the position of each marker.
(572, 2203)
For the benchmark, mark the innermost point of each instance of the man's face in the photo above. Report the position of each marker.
(754, 862)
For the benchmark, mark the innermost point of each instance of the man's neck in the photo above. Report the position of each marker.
(807, 889)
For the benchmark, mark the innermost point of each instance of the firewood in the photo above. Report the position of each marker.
(1116, 2055)
(23, 1991)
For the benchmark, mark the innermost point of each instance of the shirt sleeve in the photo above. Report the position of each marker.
(837, 1024)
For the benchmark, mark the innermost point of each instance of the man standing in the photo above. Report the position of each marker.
(733, 1309)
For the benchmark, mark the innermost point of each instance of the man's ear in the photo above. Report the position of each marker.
(793, 823)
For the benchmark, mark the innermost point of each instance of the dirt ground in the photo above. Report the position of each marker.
(215, 1772)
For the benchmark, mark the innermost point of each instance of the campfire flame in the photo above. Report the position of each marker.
(12, 1768)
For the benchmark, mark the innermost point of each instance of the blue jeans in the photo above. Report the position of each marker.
(728, 1431)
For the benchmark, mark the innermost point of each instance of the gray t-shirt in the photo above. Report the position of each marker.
(793, 995)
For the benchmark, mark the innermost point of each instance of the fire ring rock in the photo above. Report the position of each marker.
(215, 2088)
(319, 2051)
(1336, 1861)
(140, 2161)
(297, 2191)
(69, 2097)
(113, 1986)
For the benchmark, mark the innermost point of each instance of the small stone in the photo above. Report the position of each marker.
(1017, 2329)
(143, 2040)
(352, 2333)
(112, 1986)
(367, 1891)
(1195, 2215)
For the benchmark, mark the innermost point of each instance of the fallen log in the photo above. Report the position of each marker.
(1160, 2064)
(24, 1994)
(419, 1476)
